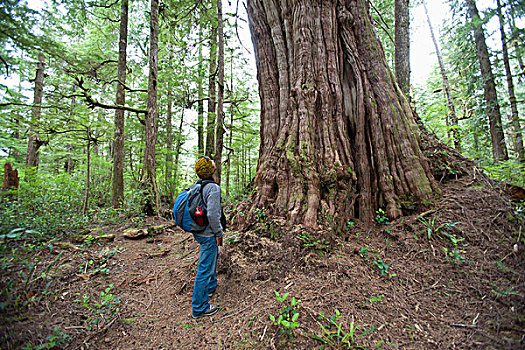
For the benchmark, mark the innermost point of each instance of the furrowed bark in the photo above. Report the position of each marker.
(338, 138)
(499, 148)
(35, 142)
(151, 200)
(118, 144)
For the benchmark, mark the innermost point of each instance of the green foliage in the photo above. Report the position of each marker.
(51, 205)
(382, 12)
(287, 318)
(435, 230)
(318, 244)
(504, 292)
(260, 214)
(26, 268)
(53, 341)
(99, 264)
(381, 217)
(232, 237)
(432, 228)
(379, 263)
(507, 171)
(334, 335)
(382, 266)
(349, 225)
(455, 252)
(101, 311)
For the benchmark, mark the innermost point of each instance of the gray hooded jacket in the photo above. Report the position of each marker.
(211, 195)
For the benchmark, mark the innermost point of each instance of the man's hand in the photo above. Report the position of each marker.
(219, 241)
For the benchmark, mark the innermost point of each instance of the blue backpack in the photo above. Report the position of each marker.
(188, 203)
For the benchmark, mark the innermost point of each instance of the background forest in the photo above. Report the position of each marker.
(61, 114)
(106, 104)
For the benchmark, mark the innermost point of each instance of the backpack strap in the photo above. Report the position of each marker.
(203, 183)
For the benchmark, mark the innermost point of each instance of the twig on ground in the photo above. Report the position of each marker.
(150, 297)
(264, 333)
(232, 314)
(425, 289)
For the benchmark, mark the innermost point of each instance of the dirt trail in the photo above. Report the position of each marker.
(402, 289)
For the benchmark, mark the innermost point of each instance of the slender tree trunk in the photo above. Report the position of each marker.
(88, 176)
(452, 120)
(338, 138)
(210, 125)
(34, 136)
(69, 164)
(402, 45)
(169, 148)
(514, 119)
(228, 159)
(499, 148)
(150, 172)
(178, 147)
(515, 42)
(117, 197)
(200, 97)
(18, 115)
(220, 96)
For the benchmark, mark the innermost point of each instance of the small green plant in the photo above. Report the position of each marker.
(382, 266)
(92, 267)
(103, 311)
(286, 320)
(308, 241)
(375, 299)
(232, 237)
(432, 228)
(381, 217)
(364, 252)
(349, 225)
(503, 293)
(58, 337)
(260, 214)
(454, 254)
(334, 336)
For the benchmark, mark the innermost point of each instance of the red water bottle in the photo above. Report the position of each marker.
(199, 218)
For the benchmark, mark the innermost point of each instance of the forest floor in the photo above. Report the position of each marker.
(456, 281)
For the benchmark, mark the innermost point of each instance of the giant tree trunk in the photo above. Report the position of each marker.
(514, 119)
(151, 200)
(402, 45)
(338, 139)
(118, 143)
(452, 119)
(499, 148)
(219, 141)
(35, 142)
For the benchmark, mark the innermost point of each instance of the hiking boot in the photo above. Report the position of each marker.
(211, 311)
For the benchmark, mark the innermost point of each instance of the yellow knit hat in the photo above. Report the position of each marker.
(204, 167)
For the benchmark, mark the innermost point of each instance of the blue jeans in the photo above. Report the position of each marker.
(206, 278)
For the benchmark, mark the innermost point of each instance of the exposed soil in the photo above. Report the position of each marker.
(428, 297)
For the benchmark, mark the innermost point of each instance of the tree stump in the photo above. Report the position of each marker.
(11, 180)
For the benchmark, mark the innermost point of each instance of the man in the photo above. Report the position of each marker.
(209, 240)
